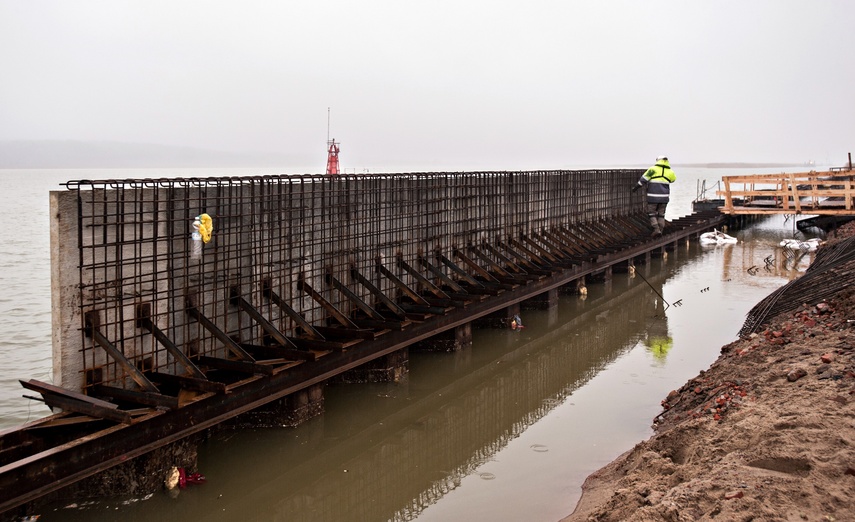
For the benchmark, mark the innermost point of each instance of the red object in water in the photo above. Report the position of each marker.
(196, 478)
(332, 158)
(185, 478)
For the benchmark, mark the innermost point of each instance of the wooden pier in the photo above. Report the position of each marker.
(820, 193)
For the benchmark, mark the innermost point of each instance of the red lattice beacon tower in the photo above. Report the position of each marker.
(332, 158)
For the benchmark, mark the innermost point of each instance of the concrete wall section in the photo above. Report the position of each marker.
(122, 253)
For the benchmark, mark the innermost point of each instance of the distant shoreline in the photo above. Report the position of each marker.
(70, 154)
(739, 165)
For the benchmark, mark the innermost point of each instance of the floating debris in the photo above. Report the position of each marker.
(811, 245)
(716, 237)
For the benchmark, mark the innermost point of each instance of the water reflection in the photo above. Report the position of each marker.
(385, 451)
(390, 452)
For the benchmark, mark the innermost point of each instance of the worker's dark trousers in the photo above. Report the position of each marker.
(656, 213)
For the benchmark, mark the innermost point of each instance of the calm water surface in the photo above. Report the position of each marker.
(506, 430)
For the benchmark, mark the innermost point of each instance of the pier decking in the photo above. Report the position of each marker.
(820, 193)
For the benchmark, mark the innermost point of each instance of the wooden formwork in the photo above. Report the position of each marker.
(821, 193)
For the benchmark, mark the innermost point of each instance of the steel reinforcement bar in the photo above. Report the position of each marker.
(303, 278)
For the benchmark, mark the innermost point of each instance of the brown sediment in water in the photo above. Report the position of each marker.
(767, 432)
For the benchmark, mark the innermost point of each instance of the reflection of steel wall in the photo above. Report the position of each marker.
(457, 427)
(131, 245)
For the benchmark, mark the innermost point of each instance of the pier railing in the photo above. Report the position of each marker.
(826, 193)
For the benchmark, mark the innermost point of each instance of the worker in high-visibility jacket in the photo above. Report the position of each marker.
(657, 179)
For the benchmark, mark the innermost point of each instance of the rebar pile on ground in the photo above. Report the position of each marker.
(832, 270)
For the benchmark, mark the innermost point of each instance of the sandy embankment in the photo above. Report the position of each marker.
(766, 433)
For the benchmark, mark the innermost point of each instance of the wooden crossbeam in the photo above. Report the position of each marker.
(793, 193)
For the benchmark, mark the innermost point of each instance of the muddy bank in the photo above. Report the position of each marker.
(766, 433)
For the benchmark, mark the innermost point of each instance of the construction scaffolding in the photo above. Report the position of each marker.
(820, 193)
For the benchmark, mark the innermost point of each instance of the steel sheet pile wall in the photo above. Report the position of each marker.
(126, 284)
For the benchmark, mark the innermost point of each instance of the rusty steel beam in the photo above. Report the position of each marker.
(337, 314)
(189, 383)
(55, 467)
(144, 321)
(509, 263)
(247, 367)
(91, 330)
(353, 298)
(497, 269)
(490, 280)
(290, 353)
(406, 290)
(429, 286)
(209, 325)
(290, 312)
(262, 321)
(393, 307)
(156, 400)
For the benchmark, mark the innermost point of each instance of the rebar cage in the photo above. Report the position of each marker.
(290, 250)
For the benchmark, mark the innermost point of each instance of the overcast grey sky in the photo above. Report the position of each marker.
(446, 85)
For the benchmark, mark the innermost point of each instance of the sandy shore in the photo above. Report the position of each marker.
(766, 433)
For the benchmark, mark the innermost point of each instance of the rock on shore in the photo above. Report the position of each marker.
(766, 433)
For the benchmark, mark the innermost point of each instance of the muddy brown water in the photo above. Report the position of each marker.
(505, 430)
